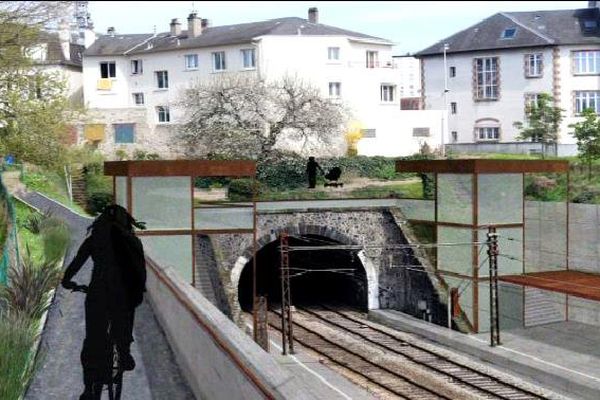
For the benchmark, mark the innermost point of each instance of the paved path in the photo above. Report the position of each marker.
(59, 375)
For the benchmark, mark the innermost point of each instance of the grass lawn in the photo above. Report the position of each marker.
(26, 238)
(51, 184)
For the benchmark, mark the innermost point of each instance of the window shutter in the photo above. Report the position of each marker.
(124, 133)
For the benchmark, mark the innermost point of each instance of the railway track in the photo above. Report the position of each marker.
(379, 376)
(474, 380)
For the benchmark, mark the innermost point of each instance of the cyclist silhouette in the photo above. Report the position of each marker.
(115, 290)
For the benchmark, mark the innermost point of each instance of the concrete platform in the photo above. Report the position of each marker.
(322, 381)
(563, 357)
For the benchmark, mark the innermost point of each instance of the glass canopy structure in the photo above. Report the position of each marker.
(161, 193)
(470, 196)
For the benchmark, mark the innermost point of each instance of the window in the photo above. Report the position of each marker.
(509, 33)
(136, 67)
(163, 114)
(138, 99)
(590, 25)
(372, 59)
(124, 133)
(421, 132)
(333, 53)
(587, 99)
(453, 108)
(39, 52)
(388, 93)
(488, 133)
(452, 72)
(218, 61)
(368, 133)
(533, 65)
(454, 136)
(486, 70)
(108, 70)
(191, 61)
(587, 62)
(162, 79)
(335, 89)
(531, 99)
(248, 59)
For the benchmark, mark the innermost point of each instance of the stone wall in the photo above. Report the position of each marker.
(390, 283)
(150, 138)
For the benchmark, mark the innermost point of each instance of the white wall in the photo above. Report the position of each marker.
(513, 86)
(277, 56)
(396, 138)
(569, 83)
(409, 75)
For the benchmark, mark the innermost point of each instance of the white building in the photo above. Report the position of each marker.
(409, 74)
(132, 83)
(497, 66)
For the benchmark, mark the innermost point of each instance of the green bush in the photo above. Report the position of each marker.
(30, 283)
(98, 201)
(17, 337)
(56, 238)
(243, 189)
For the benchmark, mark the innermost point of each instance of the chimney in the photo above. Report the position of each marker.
(194, 25)
(175, 27)
(111, 31)
(313, 15)
(205, 23)
(64, 37)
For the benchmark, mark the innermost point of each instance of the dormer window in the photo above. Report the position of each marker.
(509, 33)
(590, 25)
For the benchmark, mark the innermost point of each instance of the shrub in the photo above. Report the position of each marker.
(17, 336)
(56, 238)
(28, 291)
(243, 189)
(587, 197)
(98, 201)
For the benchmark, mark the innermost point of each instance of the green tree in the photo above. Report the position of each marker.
(34, 111)
(543, 122)
(587, 133)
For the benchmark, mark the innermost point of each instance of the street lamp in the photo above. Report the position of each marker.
(446, 47)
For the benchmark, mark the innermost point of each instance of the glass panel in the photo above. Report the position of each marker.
(545, 236)
(121, 191)
(223, 218)
(500, 198)
(163, 203)
(510, 245)
(456, 258)
(510, 304)
(455, 198)
(172, 251)
(423, 210)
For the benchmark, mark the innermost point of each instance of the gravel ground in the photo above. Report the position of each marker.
(59, 375)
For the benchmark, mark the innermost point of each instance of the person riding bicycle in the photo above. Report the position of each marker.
(115, 290)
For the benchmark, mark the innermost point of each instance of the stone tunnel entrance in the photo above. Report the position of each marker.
(332, 276)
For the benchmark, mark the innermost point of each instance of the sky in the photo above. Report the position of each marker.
(411, 25)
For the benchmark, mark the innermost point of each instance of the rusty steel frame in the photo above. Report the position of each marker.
(193, 169)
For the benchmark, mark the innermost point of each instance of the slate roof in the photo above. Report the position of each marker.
(216, 36)
(55, 54)
(534, 28)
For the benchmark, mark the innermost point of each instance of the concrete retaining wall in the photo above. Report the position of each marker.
(218, 360)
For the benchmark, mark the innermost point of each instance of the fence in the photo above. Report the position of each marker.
(10, 249)
(560, 150)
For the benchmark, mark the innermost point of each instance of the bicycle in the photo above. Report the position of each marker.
(115, 385)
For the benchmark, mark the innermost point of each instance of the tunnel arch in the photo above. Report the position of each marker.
(371, 272)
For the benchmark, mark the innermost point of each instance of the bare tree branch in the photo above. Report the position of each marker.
(243, 116)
